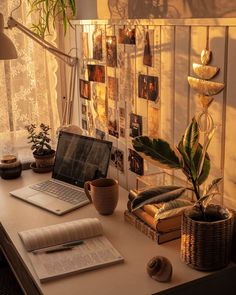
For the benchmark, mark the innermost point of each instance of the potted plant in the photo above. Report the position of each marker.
(206, 228)
(43, 153)
(48, 11)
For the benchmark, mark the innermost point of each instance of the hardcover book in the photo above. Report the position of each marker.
(160, 238)
(51, 256)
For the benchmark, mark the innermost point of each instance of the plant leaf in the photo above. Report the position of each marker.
(158, 150)
(205, 147)
(191, 139)
(212, 185)
(172, 212)
(157, 195)
(205, 200)
(206, 164)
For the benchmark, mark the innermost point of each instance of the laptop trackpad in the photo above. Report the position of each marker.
(40, 198)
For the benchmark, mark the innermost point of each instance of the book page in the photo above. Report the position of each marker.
(57, 234)
(93, 253)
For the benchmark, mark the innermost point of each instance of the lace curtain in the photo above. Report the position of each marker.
(27, 84)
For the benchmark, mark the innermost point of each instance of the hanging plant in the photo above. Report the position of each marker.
(48, 12)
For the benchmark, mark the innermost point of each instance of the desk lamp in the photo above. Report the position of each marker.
(8, 51)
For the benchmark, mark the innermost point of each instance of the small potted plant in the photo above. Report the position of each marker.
(43, 153)
(206, 228)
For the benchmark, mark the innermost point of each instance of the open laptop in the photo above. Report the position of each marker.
(78, 159)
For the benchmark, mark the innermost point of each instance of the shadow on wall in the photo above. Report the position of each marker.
(171, 8)
(86, 9)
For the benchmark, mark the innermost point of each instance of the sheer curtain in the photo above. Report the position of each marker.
(27, 84)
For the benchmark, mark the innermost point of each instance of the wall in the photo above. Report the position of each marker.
(177, 44)
(106, 9)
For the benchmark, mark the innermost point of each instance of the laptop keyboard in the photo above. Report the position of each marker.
(61, 192)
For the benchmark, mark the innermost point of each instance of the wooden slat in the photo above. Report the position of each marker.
(167, 82)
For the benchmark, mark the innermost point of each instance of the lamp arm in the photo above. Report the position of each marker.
(68, 59)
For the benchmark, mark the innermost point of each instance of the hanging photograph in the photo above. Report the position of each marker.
(84, 89)
(149, 42)
(135, 162)
(97, 45)
(96, 73)
(99, 105)
(153, 122)
(99, 134)
(112, 123)
(84, 124)
(112, 88)
(127, 36)
(85, 45)
(111, 51)
(84, 109)
(148, 87)
(135, 125)
(117, 159)
(122, 122)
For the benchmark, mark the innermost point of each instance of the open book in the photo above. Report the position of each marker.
(90, 248)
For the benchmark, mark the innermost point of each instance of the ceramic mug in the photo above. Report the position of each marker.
(104, 193)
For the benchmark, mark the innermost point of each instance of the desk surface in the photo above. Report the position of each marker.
(127, 278)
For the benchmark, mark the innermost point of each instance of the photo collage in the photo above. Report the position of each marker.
(107, 102)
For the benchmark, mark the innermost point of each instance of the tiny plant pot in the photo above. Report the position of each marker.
(206, 246)
(44, 161)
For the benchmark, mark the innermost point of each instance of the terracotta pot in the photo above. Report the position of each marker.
(206, 245)
(45, 160)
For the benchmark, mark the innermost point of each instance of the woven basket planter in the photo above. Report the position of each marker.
(206, 245)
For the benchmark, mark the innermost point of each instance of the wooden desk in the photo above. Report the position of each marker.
(127, 278)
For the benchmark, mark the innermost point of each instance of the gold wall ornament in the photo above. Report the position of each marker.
(205, 56)
(205, 87)
(205, 72)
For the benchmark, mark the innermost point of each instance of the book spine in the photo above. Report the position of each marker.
(140, 225)
(160, 238)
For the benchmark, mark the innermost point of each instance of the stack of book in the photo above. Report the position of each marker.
(161, 230)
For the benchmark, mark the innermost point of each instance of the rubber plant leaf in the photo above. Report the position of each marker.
(157, 151)
(206, 164)
(212, 186)
(157, 195)
(191, 139)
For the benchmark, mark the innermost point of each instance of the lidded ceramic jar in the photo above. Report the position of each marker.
(10, 167)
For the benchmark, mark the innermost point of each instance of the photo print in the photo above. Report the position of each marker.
(147, 55)
(84, 124)
(84, 89)
(99, 104)
(85, 45)
(112, 88)
(111, 51)
(127, 36)
(136, 127)
(136, 164)
(122, 122)
(153, 122)
(148, 87)
(97, 45)
(96, 73)
(99, 134)
(112, 123)
(84, 109)
(117, 159)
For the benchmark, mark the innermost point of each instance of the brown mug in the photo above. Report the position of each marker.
(103, 193)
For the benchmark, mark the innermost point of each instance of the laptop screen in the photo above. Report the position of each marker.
(80, 158)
